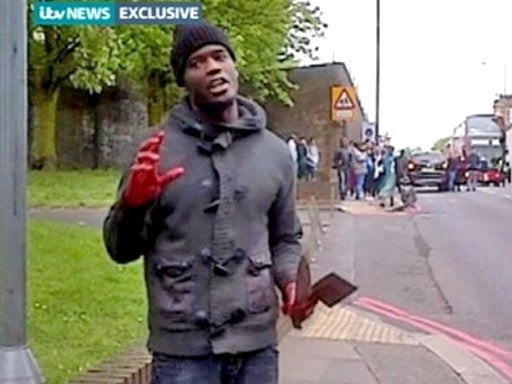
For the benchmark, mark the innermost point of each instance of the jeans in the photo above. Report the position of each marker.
(472, 180)
(343, 183)
(452, 176)
(255, 367)
(360, 186)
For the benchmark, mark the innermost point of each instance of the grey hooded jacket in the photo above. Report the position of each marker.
(218, 239)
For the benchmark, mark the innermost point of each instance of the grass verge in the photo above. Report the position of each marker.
(83, 308)
(85, 188)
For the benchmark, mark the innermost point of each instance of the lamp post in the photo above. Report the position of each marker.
(17, 364)
(377, 72)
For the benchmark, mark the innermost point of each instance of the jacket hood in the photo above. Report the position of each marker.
(252, 117)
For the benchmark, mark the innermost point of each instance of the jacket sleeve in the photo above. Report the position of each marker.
(285, 231)
(124, 227)
(123, 230)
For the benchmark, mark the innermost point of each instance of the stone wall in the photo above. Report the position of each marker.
(121, 116)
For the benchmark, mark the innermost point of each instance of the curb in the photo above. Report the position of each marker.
(469, 367)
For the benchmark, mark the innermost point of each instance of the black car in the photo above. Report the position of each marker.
(426, 169)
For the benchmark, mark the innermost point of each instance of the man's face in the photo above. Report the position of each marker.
(211, 77)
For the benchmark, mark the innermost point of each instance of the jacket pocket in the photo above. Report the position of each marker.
(175, 294)
(260, 283)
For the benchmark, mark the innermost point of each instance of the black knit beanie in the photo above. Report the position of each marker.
(188, 39)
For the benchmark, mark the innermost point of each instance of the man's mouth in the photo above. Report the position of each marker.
(218, 86)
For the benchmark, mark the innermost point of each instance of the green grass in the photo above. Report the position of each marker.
(83, 308)
(76, 189)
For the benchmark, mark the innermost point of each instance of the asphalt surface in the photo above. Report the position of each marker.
(451, 262)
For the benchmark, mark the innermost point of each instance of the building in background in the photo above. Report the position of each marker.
(324, 91)
(502, 111)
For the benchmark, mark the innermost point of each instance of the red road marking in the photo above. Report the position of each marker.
(488, 352)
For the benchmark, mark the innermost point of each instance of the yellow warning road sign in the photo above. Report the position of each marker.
(343, 103)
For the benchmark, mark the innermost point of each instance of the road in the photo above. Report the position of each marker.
(450, 263)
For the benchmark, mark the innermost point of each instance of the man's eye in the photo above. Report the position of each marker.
(221, 56)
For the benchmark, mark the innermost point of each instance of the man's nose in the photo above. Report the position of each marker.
(212, 65)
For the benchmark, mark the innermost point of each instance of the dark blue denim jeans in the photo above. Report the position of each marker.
(258, 367)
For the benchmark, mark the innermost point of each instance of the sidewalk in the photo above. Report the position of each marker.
(371, 207)
(347, 345)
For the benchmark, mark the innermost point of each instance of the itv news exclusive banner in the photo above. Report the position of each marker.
(112, 13)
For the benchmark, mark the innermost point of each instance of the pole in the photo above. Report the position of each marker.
(504, 79)
(17, 364)
(377, 74)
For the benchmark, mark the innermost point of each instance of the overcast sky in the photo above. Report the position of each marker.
(432, 60)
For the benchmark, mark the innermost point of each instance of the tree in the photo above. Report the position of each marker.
(146, 54)
(266, 35)
(440, 144)
(85, 56)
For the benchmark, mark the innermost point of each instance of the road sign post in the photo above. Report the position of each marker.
(17, 364)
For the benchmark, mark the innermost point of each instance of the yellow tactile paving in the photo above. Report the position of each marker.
(343, 323)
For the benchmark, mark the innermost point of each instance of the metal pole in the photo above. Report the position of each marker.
(377, 74)
(17, 364)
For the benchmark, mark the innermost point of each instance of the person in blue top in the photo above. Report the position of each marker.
(388, 183)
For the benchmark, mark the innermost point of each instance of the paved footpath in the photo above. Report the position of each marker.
(349, 345)
(346, 344)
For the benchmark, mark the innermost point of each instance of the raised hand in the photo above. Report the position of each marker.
(144, 184)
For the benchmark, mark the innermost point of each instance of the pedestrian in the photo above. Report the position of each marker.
(341, 163)
(473, 165)
(302, 155)
(369, 182)
(209, 203)
(359, 168)
(388, 181)
(312, 159)
(400, 169)
(452, 169)
(292, 146)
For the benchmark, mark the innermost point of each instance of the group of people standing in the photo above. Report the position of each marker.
(367, 170)
(306, 155)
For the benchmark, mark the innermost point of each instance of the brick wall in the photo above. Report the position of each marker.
(310, 114)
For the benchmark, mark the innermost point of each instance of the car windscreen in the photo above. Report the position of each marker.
(427, 158)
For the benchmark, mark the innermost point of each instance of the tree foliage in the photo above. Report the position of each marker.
(268, 36)
(88, 57)
(440, 144)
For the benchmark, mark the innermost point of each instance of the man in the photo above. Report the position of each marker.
(302, 154)
(209, 202)
(342, 164)
(452, 169)
(400, 169)
(473, 165)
